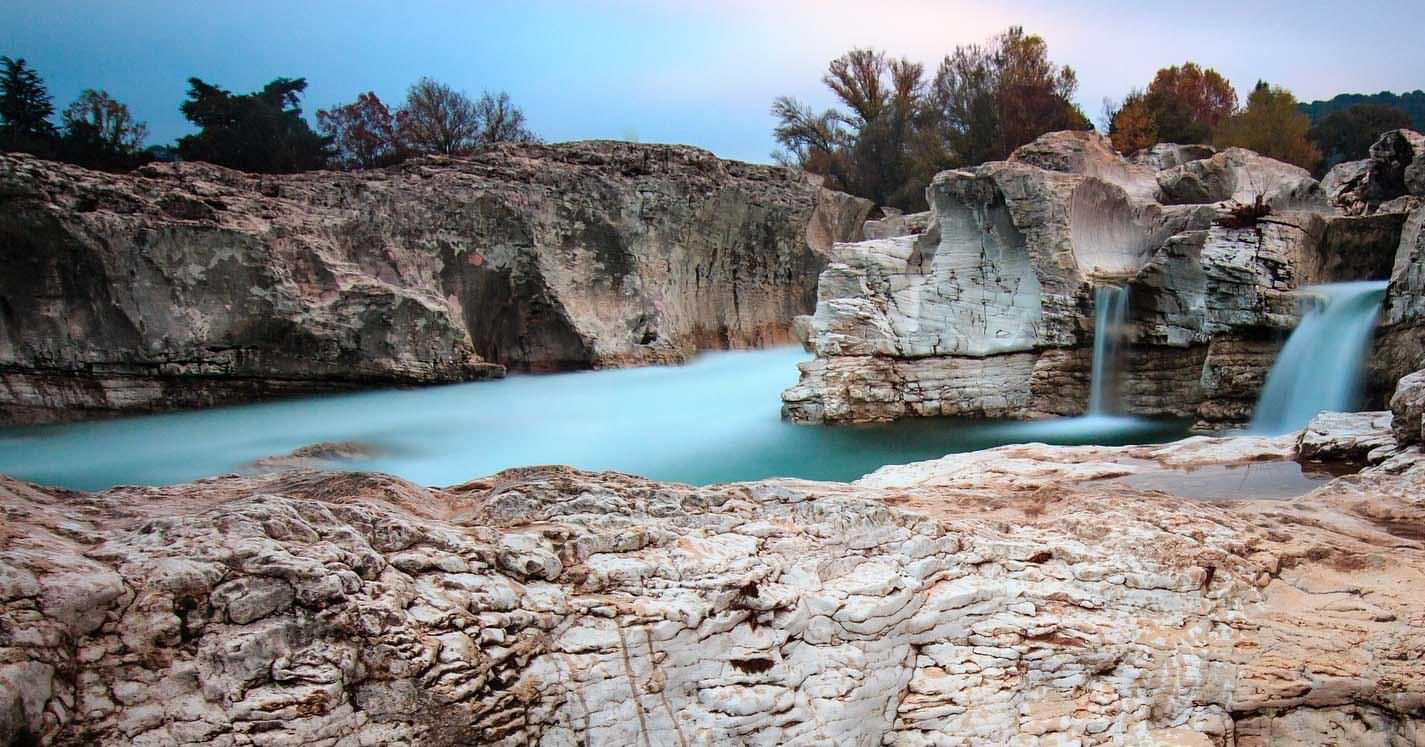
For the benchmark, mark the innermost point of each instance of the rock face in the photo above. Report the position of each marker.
(989, 311)
(189, 284)
(1022, 595)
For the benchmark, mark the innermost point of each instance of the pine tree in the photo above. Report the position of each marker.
(25, 109)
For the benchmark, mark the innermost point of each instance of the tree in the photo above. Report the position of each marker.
(1271, 125)
(261, 132)
(895, 130)
(1347, 134)
(1131, 125)
(25, 109)
(99, 132)
(1183, 104)
(989, 100)
(868, 147)
(364, 133)
(439, 119)
(502, 121)
(1410, 102)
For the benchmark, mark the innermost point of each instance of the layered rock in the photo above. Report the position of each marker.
(1024, 595)
(989, 311)
(189, 284)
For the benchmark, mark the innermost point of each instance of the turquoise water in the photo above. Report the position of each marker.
(716, 419)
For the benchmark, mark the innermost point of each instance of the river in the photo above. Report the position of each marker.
(716, 419)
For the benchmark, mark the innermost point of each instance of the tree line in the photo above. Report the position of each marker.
(895, 126)
(261, 131)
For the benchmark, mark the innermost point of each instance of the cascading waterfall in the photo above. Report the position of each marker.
(1110, 316)
(1321, 367)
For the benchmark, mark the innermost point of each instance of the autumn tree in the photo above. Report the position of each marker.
(25, 109)
(1272, 125)
(1183, 104)
(261, 132)
(364, 133)
(1131, 126)
(100, 132)
(1347, 134)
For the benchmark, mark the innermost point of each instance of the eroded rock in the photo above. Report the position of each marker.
(187, 284)
(1019, 595)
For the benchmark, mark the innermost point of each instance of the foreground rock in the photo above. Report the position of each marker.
(189, 285)
(988, 312)
(1023, 595)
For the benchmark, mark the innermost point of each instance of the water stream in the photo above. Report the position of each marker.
(1321, 368)
(1110, 316)
(716, 419)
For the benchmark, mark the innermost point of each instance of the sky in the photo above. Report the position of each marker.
(701, 72)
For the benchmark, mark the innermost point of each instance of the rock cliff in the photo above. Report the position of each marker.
(188, 284)
(988, 312)
(1026, 595)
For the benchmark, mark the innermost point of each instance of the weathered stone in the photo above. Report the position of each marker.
(1394, 169)
(1089, 154)
(191, 285)
(894, 223)
(1008, 268)
(1027, 594)
(1241, 176)
(1347, 437)
(1408, 406)
(1167, 155)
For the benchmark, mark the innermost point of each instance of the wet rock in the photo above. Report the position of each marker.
(1408, 406)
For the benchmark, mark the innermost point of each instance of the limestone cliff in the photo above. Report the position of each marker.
(1024, 595)
(189, 284)
(989, 311)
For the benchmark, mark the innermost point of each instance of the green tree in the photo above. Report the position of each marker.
(260, 132)
(100, 132)
(25, 109)
(1347, 134)
(1272, 125)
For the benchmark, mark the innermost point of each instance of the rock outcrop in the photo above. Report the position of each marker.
(1024, 595)
(989, 311)
(188, 284)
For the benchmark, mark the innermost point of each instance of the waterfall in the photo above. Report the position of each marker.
(1110, 316)
(1321, 367)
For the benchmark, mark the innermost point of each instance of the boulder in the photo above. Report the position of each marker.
(1400, 346)
(1408, 406)
(1029, 594)
(1241, 176)
(1394, 169)
(895, 223)
(191, 285)
(1088, 153)
(1345, 437)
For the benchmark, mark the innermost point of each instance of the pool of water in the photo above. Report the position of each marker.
(1275, 480)
(716, 419)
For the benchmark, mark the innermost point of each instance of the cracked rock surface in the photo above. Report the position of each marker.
(1013, 596)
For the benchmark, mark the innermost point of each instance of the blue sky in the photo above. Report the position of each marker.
(687, 71)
